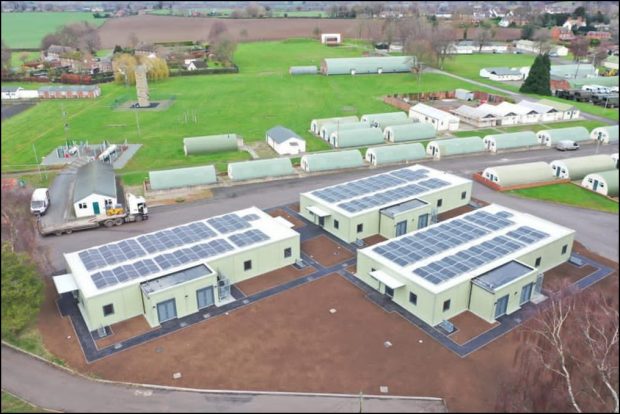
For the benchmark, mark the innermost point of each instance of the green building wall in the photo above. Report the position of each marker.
(357, 138)
(209, 143)
(391, 154)
(251, 170)
(332, 160)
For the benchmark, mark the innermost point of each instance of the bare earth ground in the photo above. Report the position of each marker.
(377, 238)
(294, 207)
(274, 278)
(282, 213)
(325, 251)
(469, 326)
(125, 330)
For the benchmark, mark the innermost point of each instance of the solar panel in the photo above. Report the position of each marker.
(251, 217)
(410, 175)
(358, 187)
(527, 234)
(249, 237)
(228, 223)
(433, 183)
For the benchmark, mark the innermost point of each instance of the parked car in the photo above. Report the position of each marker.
(40, 201)
(567, 145)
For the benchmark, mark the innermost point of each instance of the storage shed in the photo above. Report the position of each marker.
(251, 170)
(316, 124)
(604, 182)
(375, 119)
(284, 141)
(441, 120)
(331, 161)
(605, 134)
(356, 138)
(303, 70)
(392, 154)
(95, 189)
(361, 65)
(576, 168)
(454, 146)
(210, 143)
(182, 177)
(464, 94)
(518, 174)
(418, 131)
(510, 140)
(550, 137)
(328, 129)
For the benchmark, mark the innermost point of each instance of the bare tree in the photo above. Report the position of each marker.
(441, 41)
(316, 32)
(483, 38)
(255, 10)
(542, 37)
(132, 40)
(217, 30)
(6, 56)
(224, 49)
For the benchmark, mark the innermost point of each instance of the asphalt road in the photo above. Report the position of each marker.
(57, 389)
(597, 230)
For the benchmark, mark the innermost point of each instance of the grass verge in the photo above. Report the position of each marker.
(570, 194)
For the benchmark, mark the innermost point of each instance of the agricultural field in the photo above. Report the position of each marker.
(27, 29)
(570, 194)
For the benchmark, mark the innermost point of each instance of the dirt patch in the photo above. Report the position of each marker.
(282, 213)
(271, 279)
(352, 269)
(294, 207)
(455, 212)
(481, 203)
(124, 330)
(469, 326)
(377, 238)
(326, 251)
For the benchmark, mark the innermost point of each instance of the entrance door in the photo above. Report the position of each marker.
(389, 292)
(321, 221)
(423, 221)
(166, 310)
(96, 207)
(526, 293)
(595, 185)
(205, 297)
(500, 306)
(401, 228)
(372, 158)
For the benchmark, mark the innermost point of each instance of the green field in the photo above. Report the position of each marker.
(261, 96)
(11, 404)
(570, 194)
(27, 29)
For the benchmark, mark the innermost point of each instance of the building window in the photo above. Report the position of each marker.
(538, 260)
(463, 195)
(446, 305)
(288, 252)
(389, 291)
(82, 205)
(564, 248)
(336, 224)
(247, 265)
(439, 202)
(108, 310)
(360, 227)
(413, 298)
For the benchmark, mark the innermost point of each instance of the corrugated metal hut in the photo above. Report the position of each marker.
(418, 131)
(316, 124)
(356, 138)
(356, 66)
(550, 137)
(331, 160)
(210, 143)
(510, 140)
(250, 170)
(454, 146)
(328, 129)
(576, 168)
(604, 182)
(392, 154)
(605, 134)
(182, 177)
(518, 174)
(375, 120)
(303, 70)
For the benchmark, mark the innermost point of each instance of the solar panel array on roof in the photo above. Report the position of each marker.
(228, 223)
(488, 220)
(122, 273)
(248, 237)
(111, 254)
(176, 236)
(251, 217)
(191, 254)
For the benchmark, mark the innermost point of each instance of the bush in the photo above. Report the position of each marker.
(208, 71)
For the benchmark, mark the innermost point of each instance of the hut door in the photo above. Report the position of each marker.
(372, 158)
(595, 185)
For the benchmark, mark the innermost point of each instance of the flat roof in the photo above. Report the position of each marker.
(406, 206)
(379, 191)
(447, 253)
(135, 260)
(432, 112)
(176, 278)
(502, 275)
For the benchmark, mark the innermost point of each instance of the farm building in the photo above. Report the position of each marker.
(331, 161)
(489, 262)
(356, 138)
(392, 154)
(604, 182)
(69, 91)
(252, 170)
(475, 116)
(550, 137)
(454, 146)
(576, 168)
(95, 189)
(195, 64)
(331, 38)
(177, 271)
(441, 120)
(605, 134)
(568, 111)
(389, 204)
(547, 113)
(284, 141)
(384, 119)
(362, 65)
(316, 124)
(418, 131)
(328, 129)
(303, 70)
(519, 174)
(210, 143)
(182, 177)
(510, 140)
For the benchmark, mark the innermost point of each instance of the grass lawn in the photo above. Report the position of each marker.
(570, 194)
(16, 61)
(11, 404)
(27, 29)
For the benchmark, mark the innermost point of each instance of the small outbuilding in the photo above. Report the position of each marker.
(356, 138)
(182, 177)
(605, 134)
(392, 154)
(417, 131)
(316, 124)
(464, 94)
(252, 170)
(510, 140)
(377, 120)
(210, 143)
(331, 161)
(95, 189)
(441, 120)
(331, 39)
(362, 65)
(567, 110)
(454, 146)
(284, 141)
(550, 137)
(519, 174)
(303, 70)
(328, 129)
(576, 168)
(604, 182)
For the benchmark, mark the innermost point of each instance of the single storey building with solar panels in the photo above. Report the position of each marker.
(490, 262)
(605, 134)
(551, 137)
(454, 146)
(178, 271)
(316, 124)
(328, 129)
(389, 204)
(95, 189)
(575, 168)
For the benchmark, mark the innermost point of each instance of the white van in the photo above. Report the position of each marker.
(40, 201)
(567, 145)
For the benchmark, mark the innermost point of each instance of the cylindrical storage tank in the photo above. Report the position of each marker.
(576, 168)
(328, 129)
(251, 170)
(182, 177)
(316, 124)
(605, 134)
(604, 182)
(392, 154)
(357, 138)
(519, 174)
(419, 131)
(210, 143)
(303, 70)
(454, 146)
(550, 137)
(331, 160)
